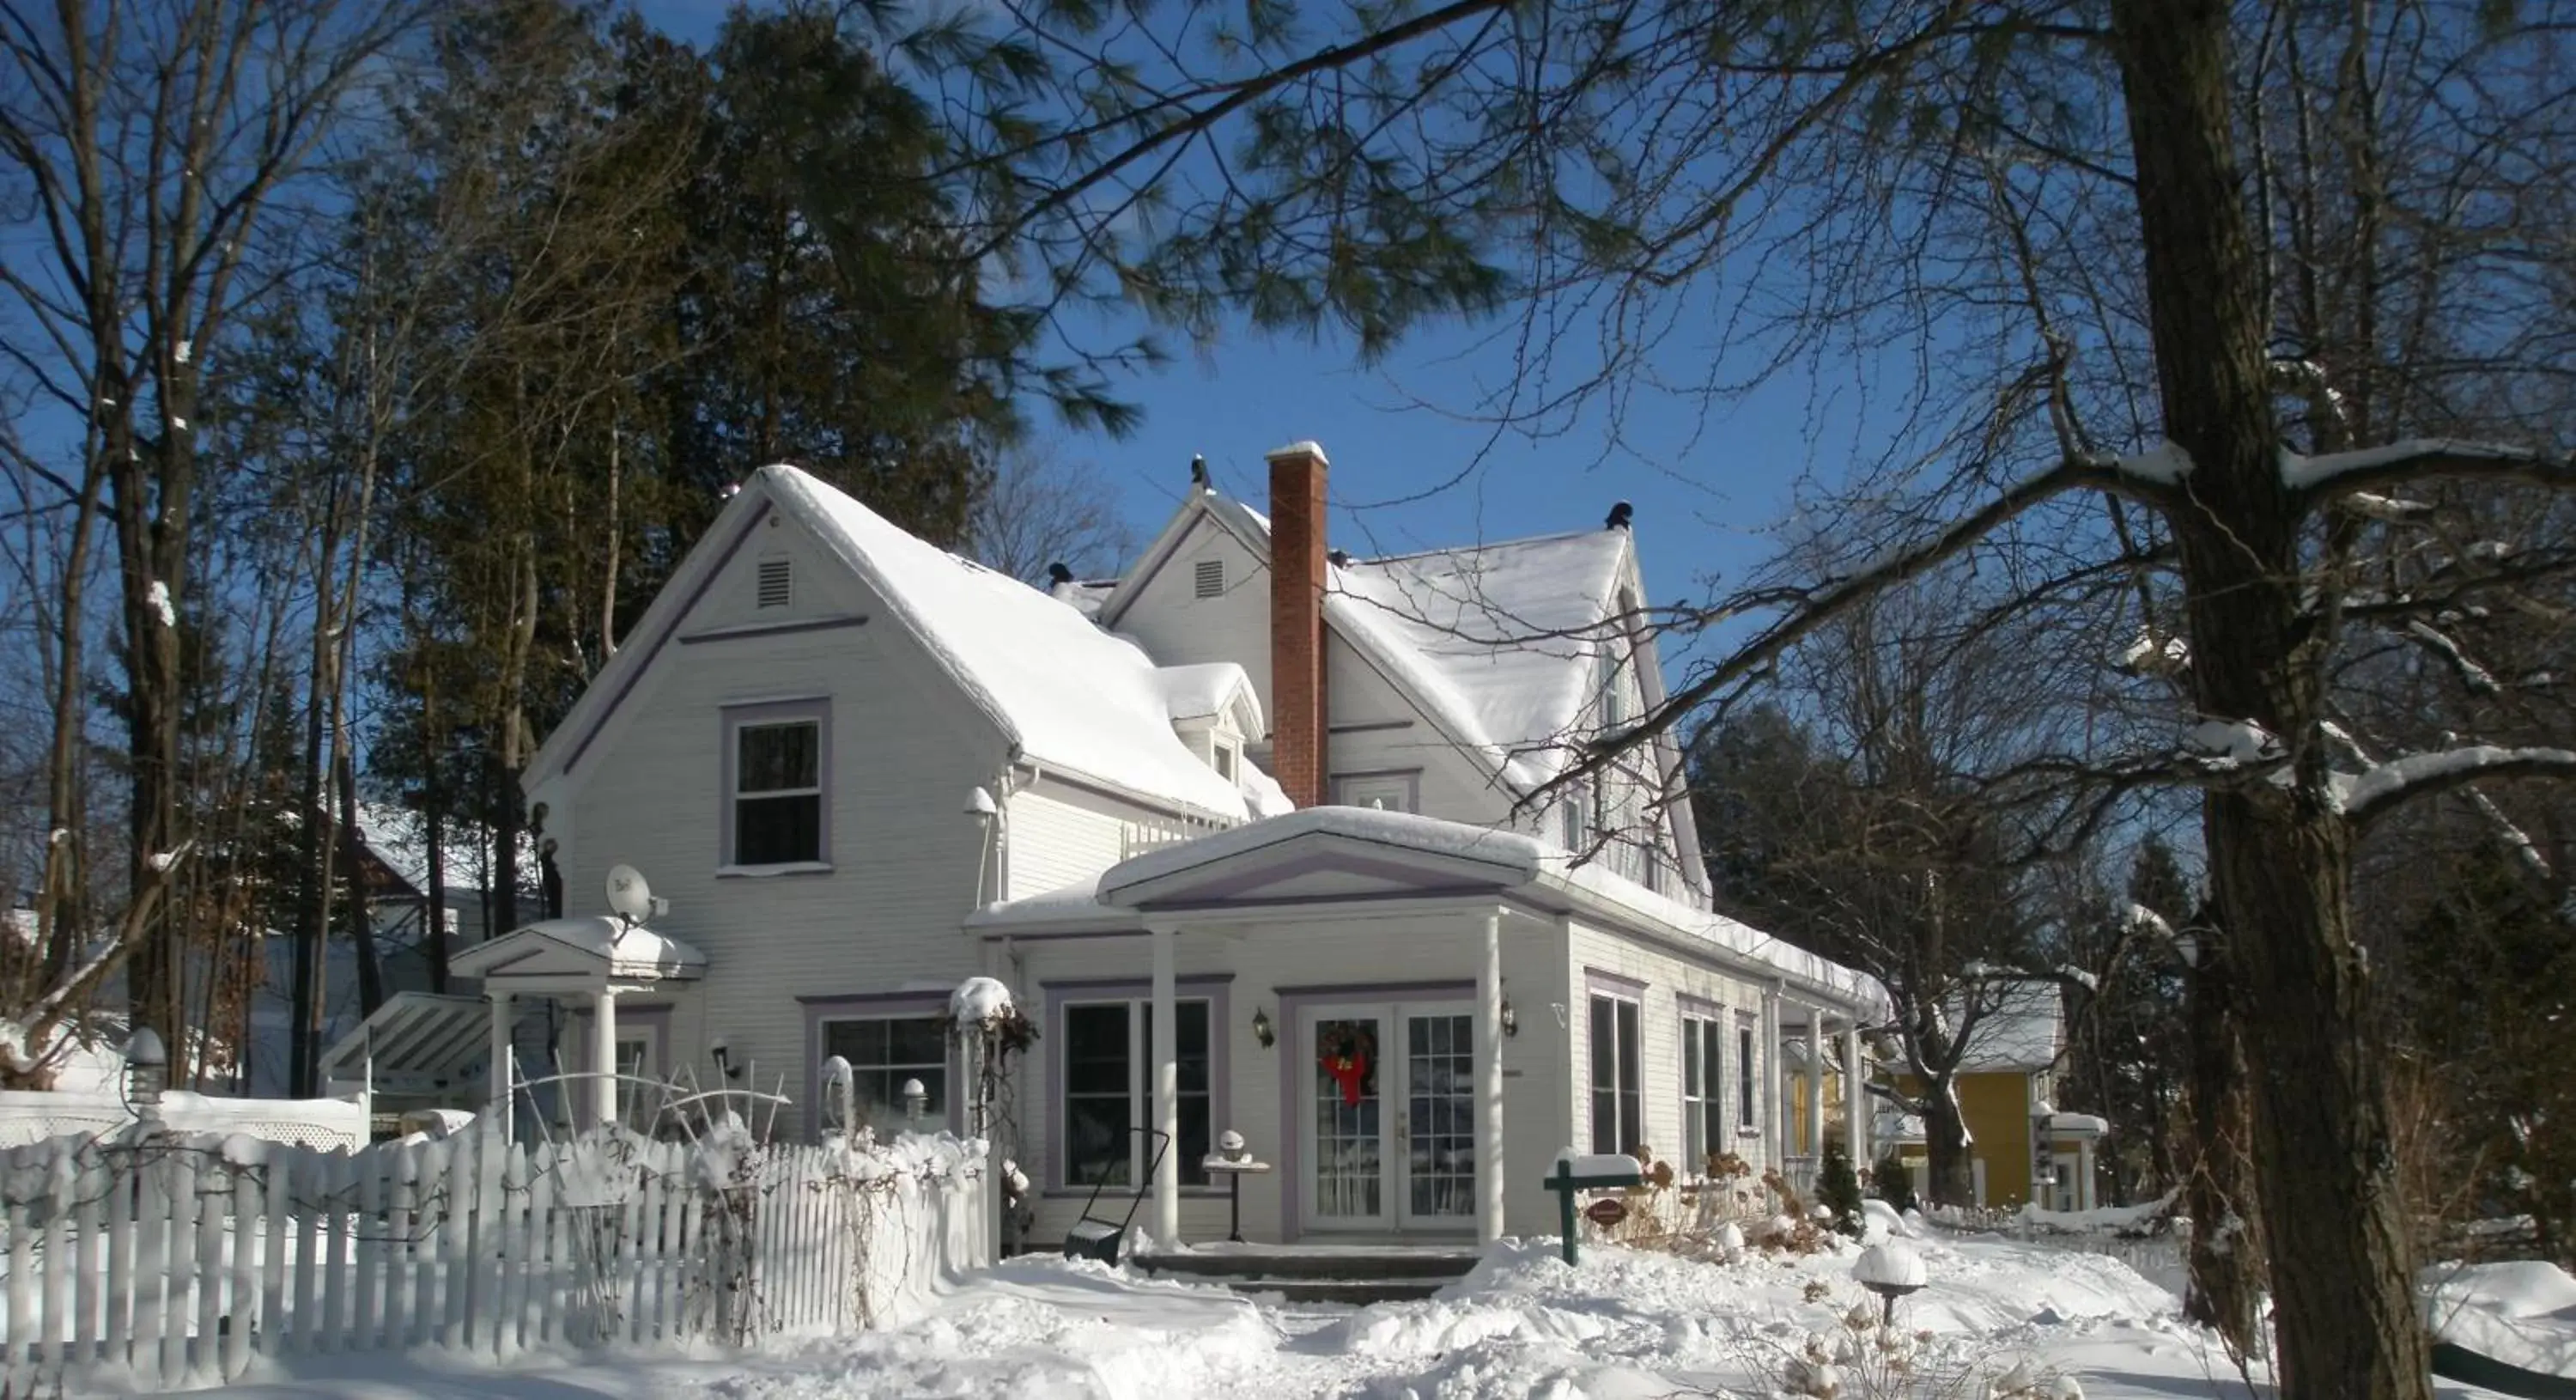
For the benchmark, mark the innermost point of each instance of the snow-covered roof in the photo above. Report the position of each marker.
(1517, 860)
(1084, 596)
(625, 950)
(2026, 1031)
(1501, 640)
(1204, 690)
(1498, 643)
(399, 837)
(1067, 693)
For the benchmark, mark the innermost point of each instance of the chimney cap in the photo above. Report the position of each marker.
(1303, 447)
(1620, 515)
(1198, 471)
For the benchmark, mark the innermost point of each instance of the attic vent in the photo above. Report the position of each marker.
(1211, 577)
(777, 584)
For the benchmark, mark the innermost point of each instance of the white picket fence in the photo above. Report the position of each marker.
(175, 1262)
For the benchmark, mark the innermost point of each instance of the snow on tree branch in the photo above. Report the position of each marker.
(2420, 459)
(2477, 678)
(2381, 789)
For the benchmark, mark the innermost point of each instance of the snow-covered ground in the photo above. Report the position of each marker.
(1623, 1325)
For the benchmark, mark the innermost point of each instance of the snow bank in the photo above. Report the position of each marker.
(2522, 1314)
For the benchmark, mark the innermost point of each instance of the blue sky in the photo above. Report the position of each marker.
(1411, 468)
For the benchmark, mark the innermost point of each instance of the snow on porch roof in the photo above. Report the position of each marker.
(624, 951)
(1066, 692)
(1519, 860)
(1517, 856)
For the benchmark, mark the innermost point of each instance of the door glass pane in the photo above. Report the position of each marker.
(1440, 1114)
(1347, 1120)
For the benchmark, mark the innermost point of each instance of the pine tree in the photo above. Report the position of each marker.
(1838, 1189)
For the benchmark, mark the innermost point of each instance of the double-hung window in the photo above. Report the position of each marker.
(884, 1053)
(1703, 1092)
(775, 770)
(1745, 1102)
(1618, 1098)
(1108, 1050)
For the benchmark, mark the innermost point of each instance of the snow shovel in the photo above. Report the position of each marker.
(1093, 1237)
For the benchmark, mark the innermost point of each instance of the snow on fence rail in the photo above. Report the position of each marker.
(28, 1117)
(175, 1261)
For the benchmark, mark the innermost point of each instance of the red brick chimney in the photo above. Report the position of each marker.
(1297, 622)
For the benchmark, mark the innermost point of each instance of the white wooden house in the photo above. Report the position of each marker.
(861, 769)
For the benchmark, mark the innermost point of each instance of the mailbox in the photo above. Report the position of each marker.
(1603, 1172)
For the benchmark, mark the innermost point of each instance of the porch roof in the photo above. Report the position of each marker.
(1325, 855)
(591, 946)
(416, 1043)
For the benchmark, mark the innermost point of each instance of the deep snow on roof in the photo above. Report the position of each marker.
(398, 836)
(1505, 637)
(1499, 641)
(2023, 1032)
(1069, 694)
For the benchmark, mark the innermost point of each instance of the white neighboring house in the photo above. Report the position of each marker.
(1400, 988)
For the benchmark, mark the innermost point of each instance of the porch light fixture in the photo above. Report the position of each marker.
(979, 805)
(1261, 1028)
(915, 1100)
(723, 1055)
(1511, 1019)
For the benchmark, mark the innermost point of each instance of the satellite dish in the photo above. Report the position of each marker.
(628, 894)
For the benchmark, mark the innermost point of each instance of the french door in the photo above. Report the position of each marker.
(1387, 1114)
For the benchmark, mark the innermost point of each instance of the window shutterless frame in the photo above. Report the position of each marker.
(776, 790)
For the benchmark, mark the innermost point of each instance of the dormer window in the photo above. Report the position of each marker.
(1228, 759)
(777, 584)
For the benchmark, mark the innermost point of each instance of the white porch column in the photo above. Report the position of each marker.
(603, 1057)
(1166, 1063)
(1816, 1082)
(501, 1090)
(1489, 1083)
(1856, 1098)
(1775, 1116)
(2084, 1173)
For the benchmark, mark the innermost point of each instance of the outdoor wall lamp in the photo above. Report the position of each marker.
(1262, 1030)
(723, 1054)
(915, 1100)
(1511, 1019)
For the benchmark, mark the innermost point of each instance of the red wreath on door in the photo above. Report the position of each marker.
(1345, 1055)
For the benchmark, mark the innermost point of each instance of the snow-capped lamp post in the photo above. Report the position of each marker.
(915, 1099)
(1890, 1269)
(989, 1026)
(147, 1072)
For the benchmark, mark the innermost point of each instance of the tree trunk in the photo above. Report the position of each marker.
(2279, 856)
(1945, 1144)
(2225, 1263)
(361, 912)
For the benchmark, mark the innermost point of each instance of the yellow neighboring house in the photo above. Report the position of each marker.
(2017, 1140)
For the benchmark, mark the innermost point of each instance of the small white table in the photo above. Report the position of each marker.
(1234, 1168)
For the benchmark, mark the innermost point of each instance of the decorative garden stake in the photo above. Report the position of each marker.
(1890, 1270)
(1596, 1173)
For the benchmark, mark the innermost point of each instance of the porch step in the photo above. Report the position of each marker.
(1355, 1274)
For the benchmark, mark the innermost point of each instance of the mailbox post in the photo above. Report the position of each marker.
(1593, 1173)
